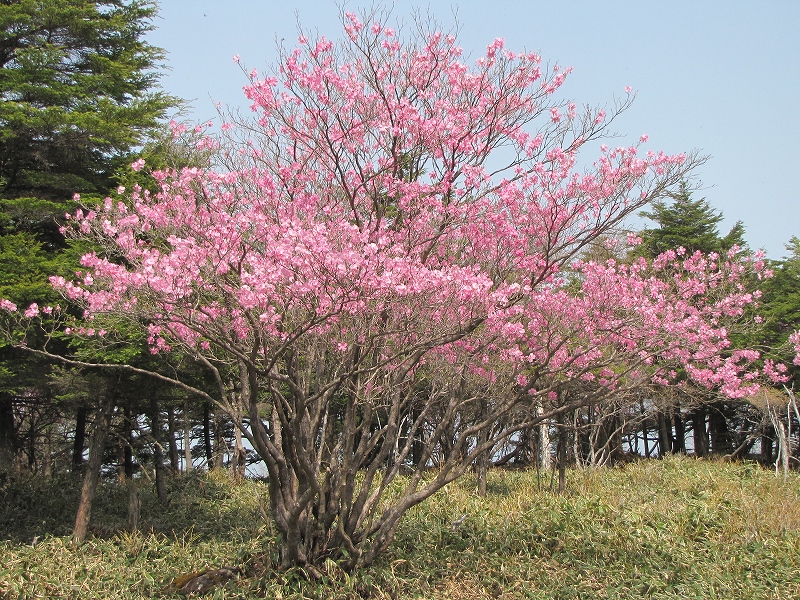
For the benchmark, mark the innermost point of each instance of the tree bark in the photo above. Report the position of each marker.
(561, 454)
(91, 475)
(174, 460)
(679, 439)
(239, 459)
(207, 435)
(719, 433)
(699, 432)
(219, 440)
(80, 438)
(664, 434)
(47, 458)
(158, 450)
(187, 438)
(767, 445)
(482, 462)
(134, 506)
(417, 445)
(8, 434)
(645, 430)
(544, 459)
(125, 448)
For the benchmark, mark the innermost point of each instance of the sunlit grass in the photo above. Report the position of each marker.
(677, 528)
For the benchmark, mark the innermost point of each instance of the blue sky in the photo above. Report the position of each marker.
(721, 77)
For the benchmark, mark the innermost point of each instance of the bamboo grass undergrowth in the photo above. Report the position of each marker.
(676, 528)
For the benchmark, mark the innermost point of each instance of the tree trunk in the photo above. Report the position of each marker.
(128, 456)
(219, 440)
(207, 435)
(80, 438)
(664, 434)
(125, 447)
(239, 459)
(544, 459)
(767, 445)
(134, 506)
(699, 432)
(91, 475)
(158, 451)
(417, 445)
(47, 458)
(482, 462)
(719, 433)
(645, 430)
(8, 434)
(679, 440)
(174, 459)
(187, 438)
(782, 438)
(561, 454)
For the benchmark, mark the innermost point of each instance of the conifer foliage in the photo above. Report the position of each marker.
(79, 90)
(78, 95)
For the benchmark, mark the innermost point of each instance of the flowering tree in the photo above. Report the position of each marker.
(384, 271)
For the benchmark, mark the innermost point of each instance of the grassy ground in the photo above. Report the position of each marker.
(677, 528)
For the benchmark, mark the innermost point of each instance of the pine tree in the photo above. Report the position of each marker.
(79, 91)
(80, 95)
(688, 223)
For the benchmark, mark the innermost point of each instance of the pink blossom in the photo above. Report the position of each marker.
(794, 338)
(633, 239)
(7, 305)
(137, 165)
(364, 215)
(601, 115)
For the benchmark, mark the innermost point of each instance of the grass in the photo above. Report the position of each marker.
(677, 528)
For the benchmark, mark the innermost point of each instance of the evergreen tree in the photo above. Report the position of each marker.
(688, 223)
(80, 96)
(781, 306)
(79, 89)
(693, 225)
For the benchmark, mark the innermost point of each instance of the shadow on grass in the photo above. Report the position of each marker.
(205, 505)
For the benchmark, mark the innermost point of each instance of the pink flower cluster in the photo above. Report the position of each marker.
(397, 199)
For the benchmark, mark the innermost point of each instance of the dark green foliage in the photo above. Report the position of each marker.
(79, 97)
(691, 224)
(78, 85)
(78, 88)
(781, 293)
(781, 305)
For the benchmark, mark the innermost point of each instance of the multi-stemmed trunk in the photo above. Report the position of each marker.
(334, 456)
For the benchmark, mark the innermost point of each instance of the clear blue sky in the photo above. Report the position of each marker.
(719, 76)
